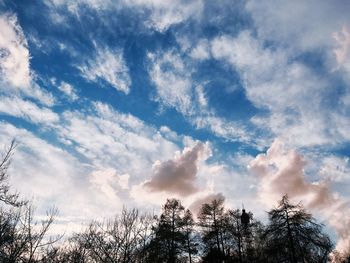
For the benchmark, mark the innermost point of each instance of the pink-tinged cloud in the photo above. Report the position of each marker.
(178, 175)
(281, 171)
(197, 204)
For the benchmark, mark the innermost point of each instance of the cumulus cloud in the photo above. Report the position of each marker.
(281, 171)
(197, 204)
(178, 175)
(109, 66)
(14, 54)
(25, 109)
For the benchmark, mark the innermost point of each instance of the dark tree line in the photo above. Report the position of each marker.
(215, 235)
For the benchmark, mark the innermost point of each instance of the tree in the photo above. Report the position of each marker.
(119, 240)
(169, 240)
(6, 196)
(293, 235)
(190, 235)
(22, 238)
(212, 221)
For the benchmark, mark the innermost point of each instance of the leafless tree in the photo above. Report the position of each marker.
(5, 194)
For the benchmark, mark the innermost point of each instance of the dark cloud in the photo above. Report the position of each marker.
(178, 175)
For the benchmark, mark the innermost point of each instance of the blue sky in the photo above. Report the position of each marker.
(122, 102)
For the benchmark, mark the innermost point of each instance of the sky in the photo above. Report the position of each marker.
(128, 102)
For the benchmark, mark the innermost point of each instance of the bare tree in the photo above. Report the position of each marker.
(5, 195)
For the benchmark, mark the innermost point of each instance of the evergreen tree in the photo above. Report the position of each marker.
(169, 239)
(293, 235)
(190, 235)
(212, 221)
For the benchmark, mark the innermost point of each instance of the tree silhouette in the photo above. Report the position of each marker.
(212, 221)
(5, 195)
(293, 235)
(219, 235)
(170, 238)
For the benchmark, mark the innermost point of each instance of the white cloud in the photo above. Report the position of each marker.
(109, 183)
(165, 13)
(335, 168)
(68, 90)
(109, 66)
(14, 54)
(172, 80)
(110, 139)
(201, 51)
(285, 23)
(44, 172)
(281, 171)
(16, 75)
(175, 88)
(18, 107)
(157, 14)
(293, 94)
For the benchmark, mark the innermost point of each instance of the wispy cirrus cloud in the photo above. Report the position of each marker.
(68, 90)
(157, 15)
(172, 80)
(16, 76)
(109, 66)
(171, 74)
(14, 56)
(26, 109)
(292, 92)
(163, 14)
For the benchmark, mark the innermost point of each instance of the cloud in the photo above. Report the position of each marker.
(293, 94)
(156, 14)
(172, 75)
(172, 80)
(14, 54)
(68, 90)
(281, 171)
(196, 206)
(43, 172)
(16, 75)
(164, 14)
(178, 175)
(109, 138)
(343, 40)
(335, 169)
(201, 51)
(25, 109)
(109, 66)
(109, 183)
(285, 23)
